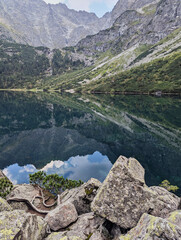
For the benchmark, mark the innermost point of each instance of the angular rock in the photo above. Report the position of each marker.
(82, 196)
(153, 228)
(164, 203)
(4, 206)
(86, 225)
(20, 225)
(175, 218)
(124, 196)
(62, 216)
(84, 228)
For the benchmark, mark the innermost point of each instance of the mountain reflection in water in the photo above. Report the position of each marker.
(38, 128)
(79, 167)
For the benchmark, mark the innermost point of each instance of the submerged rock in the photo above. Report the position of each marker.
(21, 225)
(124, 196)
(62, 216)
(82, 196)
(153, 228)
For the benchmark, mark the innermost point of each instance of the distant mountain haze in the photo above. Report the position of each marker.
(39, 24)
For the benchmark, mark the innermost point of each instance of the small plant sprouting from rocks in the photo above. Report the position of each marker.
(5, 187)
(171, 188)
(54, 183)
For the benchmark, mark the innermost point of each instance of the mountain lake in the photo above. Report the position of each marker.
(81, 136)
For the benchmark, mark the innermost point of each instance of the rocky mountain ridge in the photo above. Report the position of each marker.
(147, 25)
(40, 24)
(54, 25)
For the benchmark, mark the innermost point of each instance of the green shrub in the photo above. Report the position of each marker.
(53, 182)
(166, 184)
(5, 187)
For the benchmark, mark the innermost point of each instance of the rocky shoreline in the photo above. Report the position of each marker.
(123, 207)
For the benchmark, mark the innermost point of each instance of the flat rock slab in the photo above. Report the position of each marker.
(20, 225)
(124, 196)
(62, 216)
(24, 192)
(153, 228)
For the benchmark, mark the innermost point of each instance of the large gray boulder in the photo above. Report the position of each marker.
(4, 206)
(26, 195)
(87, 226)
(62, 216)
(21, 225)
(82, 196)
(24, 192)
(124, 196)
(153, 228)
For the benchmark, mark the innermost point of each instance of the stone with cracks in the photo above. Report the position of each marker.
(62, 216)
(164, 203)
(153, 228)
(4, 206)
(19, 205)
(29, 195)
(20, 225)
(175, 218)
(84, 228)
(24, 192)
(82, 196)
(124, 196)
(59, 236)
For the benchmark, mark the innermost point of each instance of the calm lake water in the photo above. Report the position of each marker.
(80, 137)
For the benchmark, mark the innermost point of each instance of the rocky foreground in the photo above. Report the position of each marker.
(120, 208)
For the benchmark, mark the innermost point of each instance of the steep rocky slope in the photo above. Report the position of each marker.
(54, 25)
(146, 25)
(123, 6)
(37, 23)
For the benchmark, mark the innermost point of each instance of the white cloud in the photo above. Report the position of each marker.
(54, 1)
(86, 4)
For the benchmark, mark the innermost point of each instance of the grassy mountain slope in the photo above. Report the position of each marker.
(143, 64)
(24, 66)
(142, 68)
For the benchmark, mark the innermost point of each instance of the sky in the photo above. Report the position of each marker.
(97, 6)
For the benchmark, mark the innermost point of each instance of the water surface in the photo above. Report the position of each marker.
(82, 136)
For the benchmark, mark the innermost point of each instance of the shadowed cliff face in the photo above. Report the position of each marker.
(36, 129)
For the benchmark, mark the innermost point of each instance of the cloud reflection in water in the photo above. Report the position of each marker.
(79, 167)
